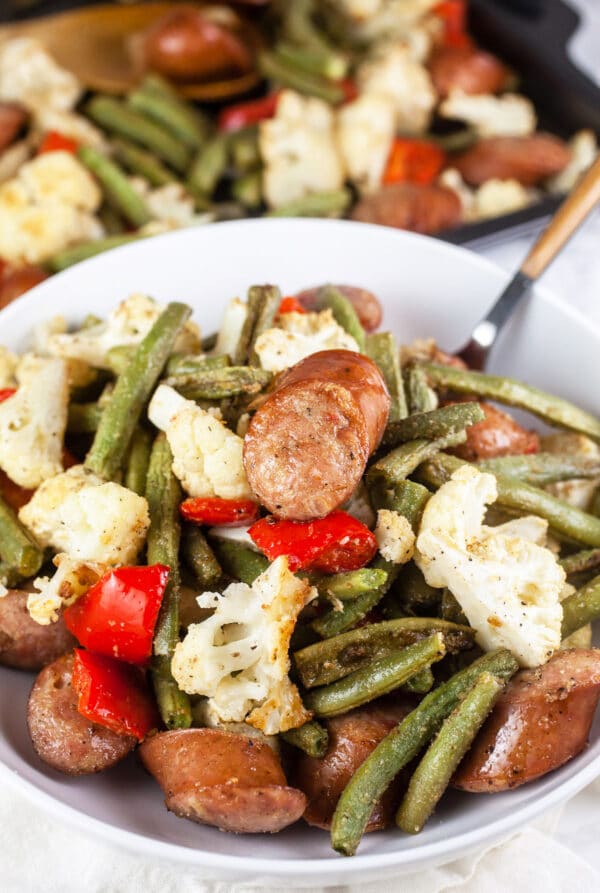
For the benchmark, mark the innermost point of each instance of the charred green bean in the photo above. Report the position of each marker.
(200, 558)
(19, 551)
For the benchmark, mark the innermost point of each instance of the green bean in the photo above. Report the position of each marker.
(163, 493)
(262, 306)
(9, 577)
(415, 595)
(19, 551)
(594, 507)
(83, 418)
(187, 364)
(345, 586)
(90, 321)
(70, 256)
(299, 28)
(133, 388)
(215, 384)
(240, 562)
(329, 297)
(581, 608)
(405, 459)
(542, 468)
(312, 738)
(200, 558)
(116, 117)
(565, 519)
(383, 350)
(116, 187)
(143, 163)
(164, 106)
(330, 65)
(334, 622)
(330, 659)
(432, 776)
(451, 610)
(209, 342)
(334, 202)
(245, 151)
(248, 189)
(110, 220)
(420, 683)
(376, 679)
(551, 409)
(209, 165)
(457, 141)
(433, 425)
(580, 562)
(273, 66)
(421, 398)
(375, 774)
(138, 460)
(405, 497)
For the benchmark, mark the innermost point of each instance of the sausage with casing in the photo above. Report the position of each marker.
(367, 306)
(528, 159)
(60, 735)
(25, 644)
(541, 721)
(497, 435)
(411, 206)
(307, 446)
(467, 69)
(220, 778)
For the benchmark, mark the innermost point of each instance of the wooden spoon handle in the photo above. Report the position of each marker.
(571, 213)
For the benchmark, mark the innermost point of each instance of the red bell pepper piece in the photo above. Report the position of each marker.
(332, 544)
(117, 616)
(244, 114)
(57, 142)
(5, 393)
(453, 14)
(113, 694)
(413, 161)
(214, 510)
(291, 305)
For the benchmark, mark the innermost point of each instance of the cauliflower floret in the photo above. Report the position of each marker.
(8, 368)
(508, 587)
(584, 149)
(497, 197)
(69, 124)
(231, 327)
(297, 336)
(395, 537)
(395, 74)
(452, 179)
(29, 74)
(71, 580)
(33, 421)
(299, 150)
(375, 20)
(249, 636)
(170, 204)
(79, 513)
(58, 178)
(366, 129)
(578, 492)
(506, 115)
(207, 456)
(128, 324)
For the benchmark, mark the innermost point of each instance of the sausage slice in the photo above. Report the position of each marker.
(25, 644)
(307, 446)
(467, 69)
(540, 721)
(367, 306)
(220, 778)
(497, 435)
(411, 206)
(528, 159)
(60, 735)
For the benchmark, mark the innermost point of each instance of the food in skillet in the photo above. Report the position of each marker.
(392, 116)
(308, 573)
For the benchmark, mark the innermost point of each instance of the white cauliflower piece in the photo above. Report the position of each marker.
(495, 197)
(171, 204)
(79, 513)
(508, 587)
(528, 527)
(452, 179)
(29, 75)
(231, 327)
(58, 178)
(395, 537)
(69, 124)
(578, 491)
(366, 129)
(249, 636)
(33, 421)
(584, 149)
(72, 579)
(368, 21)
(207, 456)
(395, 74)
(128, 324)
(8, 368)
(506, 115)
(297, 336)
(299, 150)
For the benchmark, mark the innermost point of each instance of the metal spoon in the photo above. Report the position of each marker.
(573, 211)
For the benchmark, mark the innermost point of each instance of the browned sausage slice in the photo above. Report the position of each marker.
(497, 435)
(307, 446)
(467, 69)
(420, 209)
(528, 159)
(12, 119)
(542, 720)
(367, 306)
(222, 778)
(61, 736)
(352, 738)
(25, 644)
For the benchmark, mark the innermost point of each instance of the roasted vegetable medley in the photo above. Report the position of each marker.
(311, 573)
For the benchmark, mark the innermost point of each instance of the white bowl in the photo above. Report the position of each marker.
(427, 288)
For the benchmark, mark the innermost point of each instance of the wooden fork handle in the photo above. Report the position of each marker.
(569, 216)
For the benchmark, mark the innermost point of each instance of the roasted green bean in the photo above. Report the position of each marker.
(262, 306)
(83, 418)
(421, 682)
(200, 558)
(116, 187)
(156, 99)
(216, 384)
(312, 738)
(330, 65)
(345, 315)
(142, 163)
(580, 562)
(209, 165)
(334, 622)
(273, 66)
(433, 425)
(383, 350)
(318, 204)
(70, 256)
(403, 460)
(138, 459)
(405, 497)
(240, 562)
(19, 551)
(245, 151)
(349, 585)
(421, 398)
(581, 608)
(540, 469)
(248, 189)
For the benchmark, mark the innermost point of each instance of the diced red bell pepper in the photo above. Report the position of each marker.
(332, 544)
(117, 616)
(244, 114)
(5, 393)
(413, 161)
(350, 89)
(291, 305)
(454, 16)
(113, 694)
(224, 512)
(57, 142)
